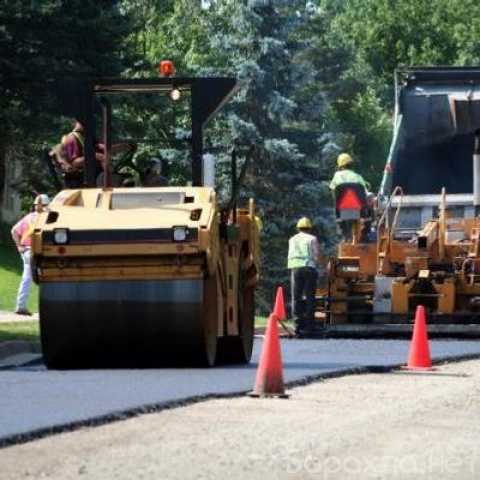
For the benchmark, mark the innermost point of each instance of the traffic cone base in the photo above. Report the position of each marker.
(269, 379)
(418, 369)
(268, 395)
(419, 355)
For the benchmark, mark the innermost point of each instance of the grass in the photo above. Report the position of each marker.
(262, 322)
(10, 275)
(28, 331)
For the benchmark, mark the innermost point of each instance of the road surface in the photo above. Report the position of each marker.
(34, 401)
(395, 425)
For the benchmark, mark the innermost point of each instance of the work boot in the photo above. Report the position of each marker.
(300, 328)
(305, 329)
(309, 328)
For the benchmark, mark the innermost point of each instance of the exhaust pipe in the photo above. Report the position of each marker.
(476, 173)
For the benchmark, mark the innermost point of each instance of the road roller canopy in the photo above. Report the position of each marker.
(437, 114)
(83, 99)
(130, 200)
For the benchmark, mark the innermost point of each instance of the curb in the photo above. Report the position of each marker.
(17, 347)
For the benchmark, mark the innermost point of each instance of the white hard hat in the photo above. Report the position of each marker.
(42, 199)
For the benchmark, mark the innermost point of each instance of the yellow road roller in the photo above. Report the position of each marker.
(146, 276)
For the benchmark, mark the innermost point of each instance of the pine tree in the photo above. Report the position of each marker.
(280, 110)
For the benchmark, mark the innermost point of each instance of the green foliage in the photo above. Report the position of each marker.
(368, 128)
(388, 33)
(382, 35)
(158, 127)
(41, 41)
(26, 331)
(377, 36)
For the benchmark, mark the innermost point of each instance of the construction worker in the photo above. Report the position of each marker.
(70, 156)
(73, 147)
(346, 176)
(155, 173)
(303, 260)
(21, 234)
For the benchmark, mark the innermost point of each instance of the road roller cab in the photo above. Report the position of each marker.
(147, 276)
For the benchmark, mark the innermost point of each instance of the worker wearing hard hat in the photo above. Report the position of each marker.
(303, 260)
(345, 173)
(22, 236)
(346, 179)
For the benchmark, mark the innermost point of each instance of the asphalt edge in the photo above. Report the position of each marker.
(23, 438)
(10, 348)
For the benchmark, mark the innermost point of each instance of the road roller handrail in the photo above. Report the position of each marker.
(383, 242)
(385, 216)
(237, 182)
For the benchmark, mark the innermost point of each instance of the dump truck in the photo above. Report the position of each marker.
(424, 239)
(146, 276)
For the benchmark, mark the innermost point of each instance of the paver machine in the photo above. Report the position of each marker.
(146, 276)
(422, 247)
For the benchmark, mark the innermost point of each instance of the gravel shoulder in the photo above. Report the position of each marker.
(397, 425)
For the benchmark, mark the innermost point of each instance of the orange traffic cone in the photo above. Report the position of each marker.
(269, 381)
(419, 356)
(279, 308)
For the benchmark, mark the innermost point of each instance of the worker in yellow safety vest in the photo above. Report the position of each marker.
(346, 177)
(346, 174)
(22, 236)
(303, 260)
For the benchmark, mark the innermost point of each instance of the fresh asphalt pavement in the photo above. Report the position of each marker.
(35, 401)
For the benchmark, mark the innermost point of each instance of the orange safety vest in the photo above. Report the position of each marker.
(29, 231)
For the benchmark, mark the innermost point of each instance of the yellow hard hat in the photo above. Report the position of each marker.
(304, 222)
(343, 160)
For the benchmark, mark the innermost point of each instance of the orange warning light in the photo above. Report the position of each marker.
(166, 68)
